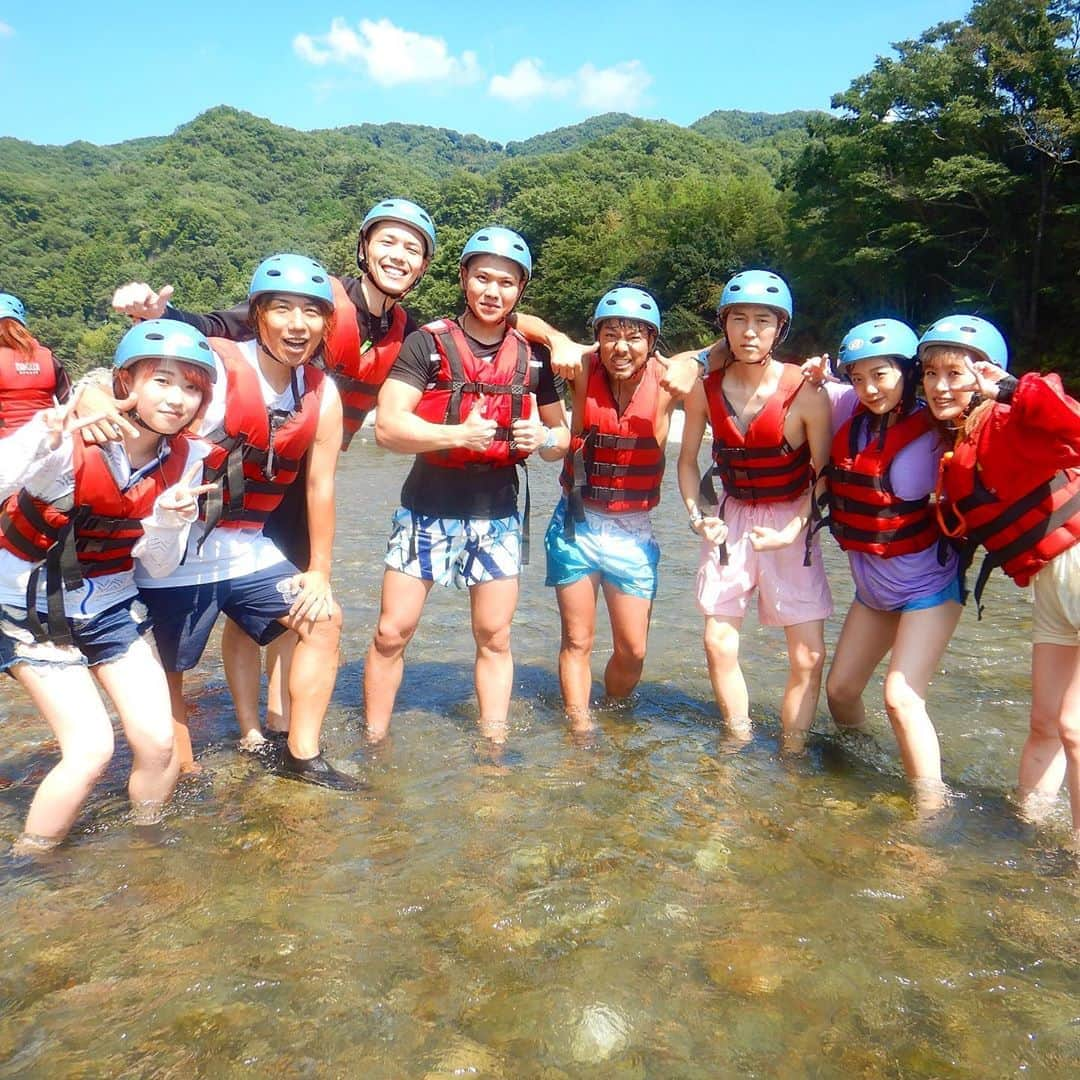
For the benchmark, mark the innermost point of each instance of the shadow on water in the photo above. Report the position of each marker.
(653, 901)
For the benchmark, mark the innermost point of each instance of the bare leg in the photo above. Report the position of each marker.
(866, 637)
(728, 683)
(629, 617)
(806, 662)
(403, 599)
(577, 611)
(493, 605)
(279, 654)
(140, 692)
(311, 680)
(243, 671)
(185, 755)
(72, 707)
(921, 639)
(1042, 761)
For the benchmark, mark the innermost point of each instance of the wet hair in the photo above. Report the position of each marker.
(124, 379)
(13, 335)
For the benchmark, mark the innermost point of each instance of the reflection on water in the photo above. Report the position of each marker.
(654, 903)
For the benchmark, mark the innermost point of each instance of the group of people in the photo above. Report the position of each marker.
(197, 477)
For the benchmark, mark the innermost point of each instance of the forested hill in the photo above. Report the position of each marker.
(947, 178)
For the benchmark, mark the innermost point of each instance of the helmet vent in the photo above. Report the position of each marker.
(155, 336)
(877, 339)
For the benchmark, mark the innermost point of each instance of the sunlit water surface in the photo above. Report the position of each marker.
(656, 904)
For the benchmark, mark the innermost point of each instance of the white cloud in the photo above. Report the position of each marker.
(6, 30)
(388, 54)
(621, 86)
(526, 82)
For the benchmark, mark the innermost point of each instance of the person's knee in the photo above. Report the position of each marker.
(322, 633)
(841, 692)
(90, 755)
(1069, 733)
(901, 701)
(630, 653)
(494, 640)
(156, 747)
(808, 660)
(577, 639)
(1044, 721)
(722, 644)
(391, 636)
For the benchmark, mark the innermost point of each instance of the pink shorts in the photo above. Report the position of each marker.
(788, 592)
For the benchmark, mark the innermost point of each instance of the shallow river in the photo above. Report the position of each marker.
(656, 904)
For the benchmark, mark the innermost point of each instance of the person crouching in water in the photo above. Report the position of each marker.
(882, 474)
(771, 435)
(601, 536)
(462, 396)
(271, 407)
(1011, 483)
(82, 514)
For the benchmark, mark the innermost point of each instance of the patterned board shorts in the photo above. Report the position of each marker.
(454, 551)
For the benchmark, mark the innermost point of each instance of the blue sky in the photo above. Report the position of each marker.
(106, 72)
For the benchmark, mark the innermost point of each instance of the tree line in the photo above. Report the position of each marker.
(946, 177)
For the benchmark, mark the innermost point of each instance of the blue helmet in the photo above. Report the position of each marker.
(627, 302)
(408, 213)
(165, 339)
(294, 274)
(971, 333)
(887, 338)
(11, 307)
(495, 240)
(759, 287)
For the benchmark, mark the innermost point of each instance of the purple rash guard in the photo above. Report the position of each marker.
(890, 584)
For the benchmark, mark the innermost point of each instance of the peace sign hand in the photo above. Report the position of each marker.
(183, 498)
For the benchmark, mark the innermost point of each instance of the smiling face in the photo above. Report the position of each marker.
(948, 383)
(170, 394)
(492, 286)
(625, 345)
(878, 382)
(290, 327)
(751, 331)
(395, 256)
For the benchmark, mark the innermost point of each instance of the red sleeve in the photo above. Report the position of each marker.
(1031, 439)
(1043, 421)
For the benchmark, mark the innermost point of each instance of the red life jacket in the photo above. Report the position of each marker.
(27, 385)
(359, 368)
(258, 452)
(865, 513)
(1020, 535)
(507, 380)
(87, 533)
(615, 463)
(758, 465)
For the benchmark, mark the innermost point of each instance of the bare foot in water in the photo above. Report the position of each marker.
(252, 742)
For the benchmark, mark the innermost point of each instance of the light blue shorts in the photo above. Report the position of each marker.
(454, 551)
(620, 548)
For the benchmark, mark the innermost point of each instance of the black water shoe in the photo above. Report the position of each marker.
(316, 770)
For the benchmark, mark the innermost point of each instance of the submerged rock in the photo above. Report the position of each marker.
(601, 1032)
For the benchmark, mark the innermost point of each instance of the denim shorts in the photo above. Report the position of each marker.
(184, 616)
(99, 639)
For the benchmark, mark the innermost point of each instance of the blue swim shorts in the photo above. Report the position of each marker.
(621, 548)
